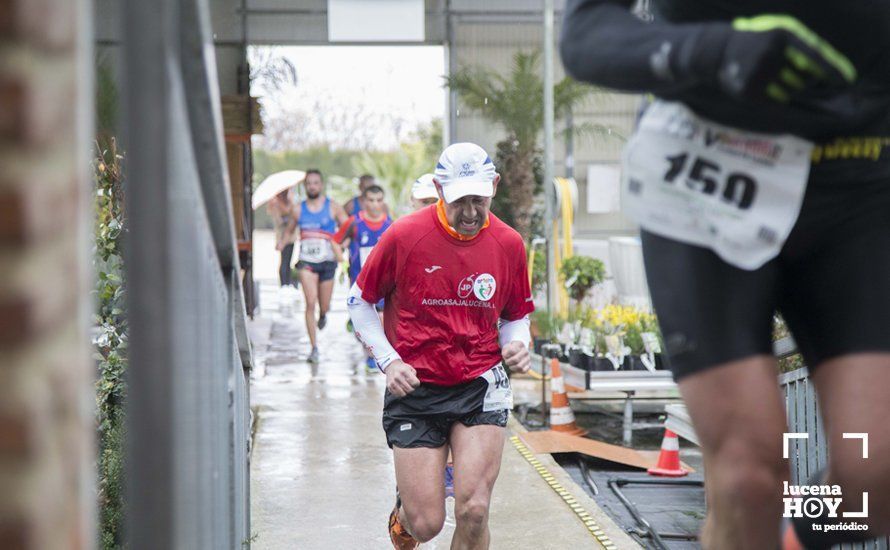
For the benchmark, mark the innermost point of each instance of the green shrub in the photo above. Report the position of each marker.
(584, 273)
(110, 341)
(548, 325)
(539, 270)
(111, 475)
(792, 362)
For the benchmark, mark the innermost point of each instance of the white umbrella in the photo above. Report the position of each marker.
(274, 184)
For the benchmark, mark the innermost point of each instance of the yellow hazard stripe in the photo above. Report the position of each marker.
(566, 496)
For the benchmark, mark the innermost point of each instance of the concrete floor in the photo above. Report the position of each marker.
(321, 473)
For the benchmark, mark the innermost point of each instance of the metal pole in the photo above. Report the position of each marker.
(628, 422)
(544, 417)
(450, 133)
(548, 153)
(570, 144)
(149, 29)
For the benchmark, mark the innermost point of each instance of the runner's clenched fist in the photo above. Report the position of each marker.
(516, 356)
(401, 378)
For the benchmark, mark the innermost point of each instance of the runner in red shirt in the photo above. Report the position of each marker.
(455, 282)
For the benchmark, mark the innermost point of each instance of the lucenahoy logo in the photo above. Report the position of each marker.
(484, 287)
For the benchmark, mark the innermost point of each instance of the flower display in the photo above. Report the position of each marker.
(625, 322)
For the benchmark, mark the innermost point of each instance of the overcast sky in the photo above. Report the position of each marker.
(392, 85)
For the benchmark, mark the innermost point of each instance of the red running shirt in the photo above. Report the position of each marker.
(444, 296)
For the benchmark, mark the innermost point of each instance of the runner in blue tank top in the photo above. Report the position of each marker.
(317, 218)
(363, 230)
(365, 235)
(354, 205)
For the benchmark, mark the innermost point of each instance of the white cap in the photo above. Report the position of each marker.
(424, 188)
(465, 169)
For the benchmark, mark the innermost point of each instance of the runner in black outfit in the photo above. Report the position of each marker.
(816, 70)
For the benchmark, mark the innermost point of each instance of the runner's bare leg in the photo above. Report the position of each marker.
(420, 479)
(325, 290)
(739, 417)
(309, 282)
(476, 454)
(852, 392)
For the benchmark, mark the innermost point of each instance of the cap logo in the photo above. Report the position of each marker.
(466, 171)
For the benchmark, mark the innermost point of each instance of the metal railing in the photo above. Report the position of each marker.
(803, 417)
(188, 403)
(810, 455)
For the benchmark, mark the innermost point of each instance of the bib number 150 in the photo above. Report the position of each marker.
(706, 177)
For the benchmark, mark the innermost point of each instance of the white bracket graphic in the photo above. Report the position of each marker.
(793, 435)
(863, 437)
(864, 512)
(786, 437)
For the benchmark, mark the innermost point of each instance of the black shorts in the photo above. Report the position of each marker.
(325, 270)
(424, 417)
(830, 282)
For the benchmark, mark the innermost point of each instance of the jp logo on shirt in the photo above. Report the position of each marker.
(483, 286)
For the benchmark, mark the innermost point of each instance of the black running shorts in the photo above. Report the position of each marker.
(831, 283)
(424, 417)
(324, 270)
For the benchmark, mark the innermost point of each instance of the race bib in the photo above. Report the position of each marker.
(316, 250)
(499, 395)
(736, 192)
(363, 253)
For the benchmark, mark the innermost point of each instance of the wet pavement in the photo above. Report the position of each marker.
(677, 512)
(321, 473)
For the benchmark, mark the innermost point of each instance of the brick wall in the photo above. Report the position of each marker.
(46, 403)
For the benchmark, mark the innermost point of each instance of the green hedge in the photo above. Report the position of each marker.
(110, 343)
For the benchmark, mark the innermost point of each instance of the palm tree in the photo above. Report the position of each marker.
(515, 101)
(397, 170)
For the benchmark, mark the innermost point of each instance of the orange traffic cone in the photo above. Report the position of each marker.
(669, 457)
(562, 419)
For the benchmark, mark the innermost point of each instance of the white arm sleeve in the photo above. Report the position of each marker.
(369, 329)
(510, 331)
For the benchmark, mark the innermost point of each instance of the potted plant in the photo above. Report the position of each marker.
(633, 362)
(650, 336)
(595, 323)
(578, 336)
(581, 273)
(574, 353)
(545, 328)
(566, 339)
(601, 363)
(653, 357)
(608, 324)
(587, 341)
(633, 337)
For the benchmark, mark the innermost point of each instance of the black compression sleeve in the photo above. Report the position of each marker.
(603, 43)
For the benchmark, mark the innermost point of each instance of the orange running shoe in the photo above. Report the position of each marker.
(399, 537)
